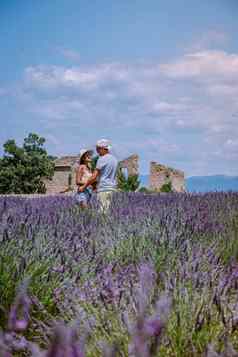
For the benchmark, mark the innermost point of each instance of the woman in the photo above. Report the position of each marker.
(83, 174)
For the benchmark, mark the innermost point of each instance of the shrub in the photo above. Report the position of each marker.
(166, 187)
(127, 184)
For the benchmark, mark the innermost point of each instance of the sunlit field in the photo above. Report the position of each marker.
(157, 275)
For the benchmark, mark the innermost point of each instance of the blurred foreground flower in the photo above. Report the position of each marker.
(19, 314)
(146, 332)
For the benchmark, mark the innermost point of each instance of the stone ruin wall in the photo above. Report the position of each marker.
(60, 181)
(178, 183)
(131, 164)
(64, 167)
(160, 175)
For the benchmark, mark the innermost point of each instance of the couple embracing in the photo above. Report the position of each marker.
(102, 179)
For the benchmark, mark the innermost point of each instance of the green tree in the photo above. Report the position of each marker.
(130, 183)
(23, 169)
(166, 187)
(144, 190)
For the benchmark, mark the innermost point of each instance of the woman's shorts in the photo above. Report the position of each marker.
(83, 197)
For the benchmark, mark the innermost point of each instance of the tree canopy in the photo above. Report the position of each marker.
(130, 183)
(23, 169)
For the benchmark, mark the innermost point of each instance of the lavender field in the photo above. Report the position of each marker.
(157, 276)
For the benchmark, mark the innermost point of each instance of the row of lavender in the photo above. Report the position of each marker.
(157, 275)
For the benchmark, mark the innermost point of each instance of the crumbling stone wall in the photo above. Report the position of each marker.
(65, 171)
(131, 164)
(58, 183)
(160, 175)
(60, 180)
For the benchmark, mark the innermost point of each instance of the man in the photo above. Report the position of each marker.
(105, 173)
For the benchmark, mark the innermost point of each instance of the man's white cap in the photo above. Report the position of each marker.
(104, 143)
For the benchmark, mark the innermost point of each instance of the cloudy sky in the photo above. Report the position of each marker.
(159, 78)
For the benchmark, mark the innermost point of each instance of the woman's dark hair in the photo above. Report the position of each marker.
(82, 159)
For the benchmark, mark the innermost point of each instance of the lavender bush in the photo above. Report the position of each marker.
(158, 275)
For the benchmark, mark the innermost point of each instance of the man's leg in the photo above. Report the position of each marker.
(104, 200)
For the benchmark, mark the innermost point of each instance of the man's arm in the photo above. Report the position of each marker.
(93, 179)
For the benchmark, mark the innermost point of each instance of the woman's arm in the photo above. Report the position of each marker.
(79, 175)
(92, 180)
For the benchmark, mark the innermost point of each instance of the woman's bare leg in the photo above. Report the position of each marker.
(83, 205)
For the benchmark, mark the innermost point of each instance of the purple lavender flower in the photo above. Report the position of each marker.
(19, 315)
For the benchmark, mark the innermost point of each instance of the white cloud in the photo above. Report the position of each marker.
(204, 65)
(231, 143)
(223, 90)
(70, 54)
(165, 107)
(84, 77)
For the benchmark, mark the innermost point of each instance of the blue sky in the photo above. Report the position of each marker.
(158, 78)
